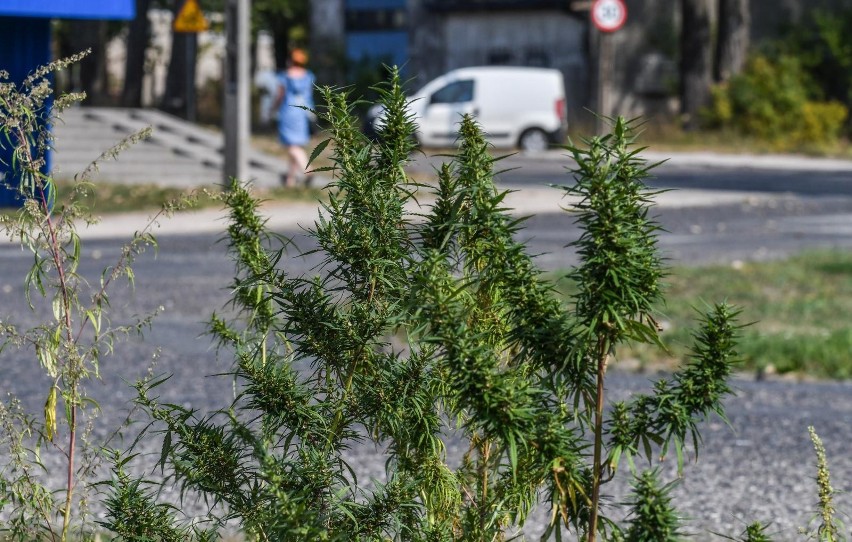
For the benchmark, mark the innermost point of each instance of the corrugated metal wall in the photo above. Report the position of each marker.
(24, 45)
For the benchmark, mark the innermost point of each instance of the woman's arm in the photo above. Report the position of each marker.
(279, 98)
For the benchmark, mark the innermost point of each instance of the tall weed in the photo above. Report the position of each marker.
(36, 501)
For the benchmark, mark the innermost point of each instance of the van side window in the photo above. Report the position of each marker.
(455, 92)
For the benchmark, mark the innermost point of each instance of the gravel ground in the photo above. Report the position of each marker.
(760, 468)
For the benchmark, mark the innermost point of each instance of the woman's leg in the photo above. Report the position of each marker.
(298, 164)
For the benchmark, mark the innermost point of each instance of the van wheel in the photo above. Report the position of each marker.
(533, 140)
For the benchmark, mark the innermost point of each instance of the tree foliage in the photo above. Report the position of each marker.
(775, 100)
(287, 20)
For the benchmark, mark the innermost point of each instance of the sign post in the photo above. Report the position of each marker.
(607, 16)
(236, 117)
(190, 20)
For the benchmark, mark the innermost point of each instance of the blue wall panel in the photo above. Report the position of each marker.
(387, 47)
(24, 46)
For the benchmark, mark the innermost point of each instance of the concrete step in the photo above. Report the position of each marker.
(169, 175)
(177, 153)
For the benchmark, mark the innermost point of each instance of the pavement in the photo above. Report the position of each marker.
(186, 155)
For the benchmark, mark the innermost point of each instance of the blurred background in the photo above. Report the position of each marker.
(778, 71)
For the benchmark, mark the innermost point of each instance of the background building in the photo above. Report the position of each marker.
(430, 37)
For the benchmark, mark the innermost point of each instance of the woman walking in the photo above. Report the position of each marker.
(295, 92)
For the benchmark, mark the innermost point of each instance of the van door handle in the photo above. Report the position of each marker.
(475, 112)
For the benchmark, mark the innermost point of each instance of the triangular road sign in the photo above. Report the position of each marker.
(190, 18)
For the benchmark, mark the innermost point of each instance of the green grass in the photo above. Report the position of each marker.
(664, 135)
(109, 198)
(799, 311)
(670, 138)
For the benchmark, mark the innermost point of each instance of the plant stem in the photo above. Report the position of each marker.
(338, 415)
(596, 467)
(484, 453)
(59, 261)
(43, 200)
(69, 491)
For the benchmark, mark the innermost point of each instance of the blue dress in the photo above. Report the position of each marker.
(293, 122)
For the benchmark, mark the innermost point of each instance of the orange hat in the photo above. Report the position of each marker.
(299, 57)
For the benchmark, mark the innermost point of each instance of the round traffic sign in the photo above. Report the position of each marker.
(609, 15)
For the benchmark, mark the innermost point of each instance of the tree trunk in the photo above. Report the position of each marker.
(733, 39)
(280, 40)
(180, 78)
(91, 77)
(696, 62)
(134, 66)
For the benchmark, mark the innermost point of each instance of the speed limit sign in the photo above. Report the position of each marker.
(609, 15)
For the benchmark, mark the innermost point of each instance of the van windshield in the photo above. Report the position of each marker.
(455, 92)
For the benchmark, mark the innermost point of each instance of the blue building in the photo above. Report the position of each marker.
(25, 44)
(376, 31)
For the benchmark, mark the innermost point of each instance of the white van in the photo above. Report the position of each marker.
(515, 106)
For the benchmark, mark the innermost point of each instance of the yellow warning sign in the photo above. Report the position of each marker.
(190, 18)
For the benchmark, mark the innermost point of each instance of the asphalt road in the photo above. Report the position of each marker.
(777, 175)
(759, 468)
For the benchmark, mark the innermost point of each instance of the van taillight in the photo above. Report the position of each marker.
(560, 108)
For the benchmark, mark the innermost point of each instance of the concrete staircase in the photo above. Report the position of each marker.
(178, 153)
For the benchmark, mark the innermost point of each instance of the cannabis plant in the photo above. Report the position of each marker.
(427, 324)
(830, 528)
(653, 516)
(754, 532)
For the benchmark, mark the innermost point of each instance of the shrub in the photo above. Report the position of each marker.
(821, 43)
(821, 122)
(773, 100)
